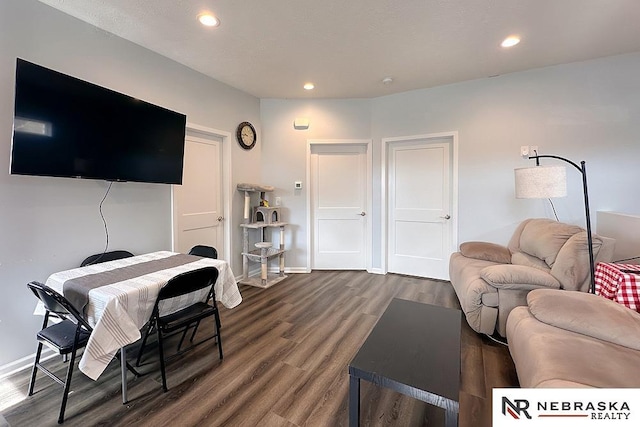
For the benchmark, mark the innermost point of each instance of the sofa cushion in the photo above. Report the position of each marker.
(543, 238)
(491, 299)
(572, 263)
(470, 289)
(520, 258)
(546, 356)
(587, 314)
(517, 277)
(486, 251)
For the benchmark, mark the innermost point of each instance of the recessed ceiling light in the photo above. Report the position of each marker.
(387, 80)
(510, 41)
(309, 86)
(208, 19)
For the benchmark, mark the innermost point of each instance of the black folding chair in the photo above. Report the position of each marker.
(204, 251)
(65, 337)
(105, 256)
(185, 318)
(201, 251)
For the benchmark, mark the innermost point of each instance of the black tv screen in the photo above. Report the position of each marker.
(67, 127)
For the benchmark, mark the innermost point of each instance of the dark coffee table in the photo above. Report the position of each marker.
(413, 349)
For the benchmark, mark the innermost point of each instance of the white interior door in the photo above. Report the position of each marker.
(338, 204)
(197, 211)
(419, 202)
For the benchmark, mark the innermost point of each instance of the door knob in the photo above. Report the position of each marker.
(220, 219)
(446, 216)
(362, 214)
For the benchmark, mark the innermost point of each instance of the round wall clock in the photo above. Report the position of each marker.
(246, 135)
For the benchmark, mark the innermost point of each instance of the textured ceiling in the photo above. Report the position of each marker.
(269, 48)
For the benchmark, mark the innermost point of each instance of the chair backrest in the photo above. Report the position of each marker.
(105, 256)
(560, 249)
(204, 251)
(55, 303)
(188, 282)
(542, 238)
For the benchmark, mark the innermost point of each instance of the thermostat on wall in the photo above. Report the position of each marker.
(297, 185)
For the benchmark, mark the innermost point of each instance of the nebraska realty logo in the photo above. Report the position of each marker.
(566, 407)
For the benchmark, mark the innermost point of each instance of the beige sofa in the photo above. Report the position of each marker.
(574, 339)
(490, 280)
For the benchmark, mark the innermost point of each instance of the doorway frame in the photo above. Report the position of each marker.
(204, 132)
(368, 144)
(384, 209)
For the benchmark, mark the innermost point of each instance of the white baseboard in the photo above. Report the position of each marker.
(24, 363)
(275, 270)
(376, 271)
(296, 270)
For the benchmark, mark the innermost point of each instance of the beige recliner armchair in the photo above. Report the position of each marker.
(490, 280)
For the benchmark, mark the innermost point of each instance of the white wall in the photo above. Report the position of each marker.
(51, 224)
(583, 111)
(284, 155)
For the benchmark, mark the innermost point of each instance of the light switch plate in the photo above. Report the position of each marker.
(297, 185)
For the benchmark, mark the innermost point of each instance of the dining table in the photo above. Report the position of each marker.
(117, 299)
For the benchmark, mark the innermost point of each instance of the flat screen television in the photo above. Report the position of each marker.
(67, 127)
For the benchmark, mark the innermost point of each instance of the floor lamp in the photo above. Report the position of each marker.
(551, 181)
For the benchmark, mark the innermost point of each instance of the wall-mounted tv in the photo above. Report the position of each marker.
(67, 127)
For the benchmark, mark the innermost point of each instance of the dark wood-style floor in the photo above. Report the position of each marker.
(286, 349)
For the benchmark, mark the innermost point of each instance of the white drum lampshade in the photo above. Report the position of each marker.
(541, 182)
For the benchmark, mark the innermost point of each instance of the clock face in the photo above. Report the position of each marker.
(246, 135)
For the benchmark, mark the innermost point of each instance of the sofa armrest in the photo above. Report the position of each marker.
(486, 251)
(518, 277)
(587, 314)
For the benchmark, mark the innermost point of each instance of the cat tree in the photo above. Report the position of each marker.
(260, 218)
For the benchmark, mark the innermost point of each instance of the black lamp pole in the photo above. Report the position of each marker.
(583, 170)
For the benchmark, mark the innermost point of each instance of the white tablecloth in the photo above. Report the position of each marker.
(118, 311)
